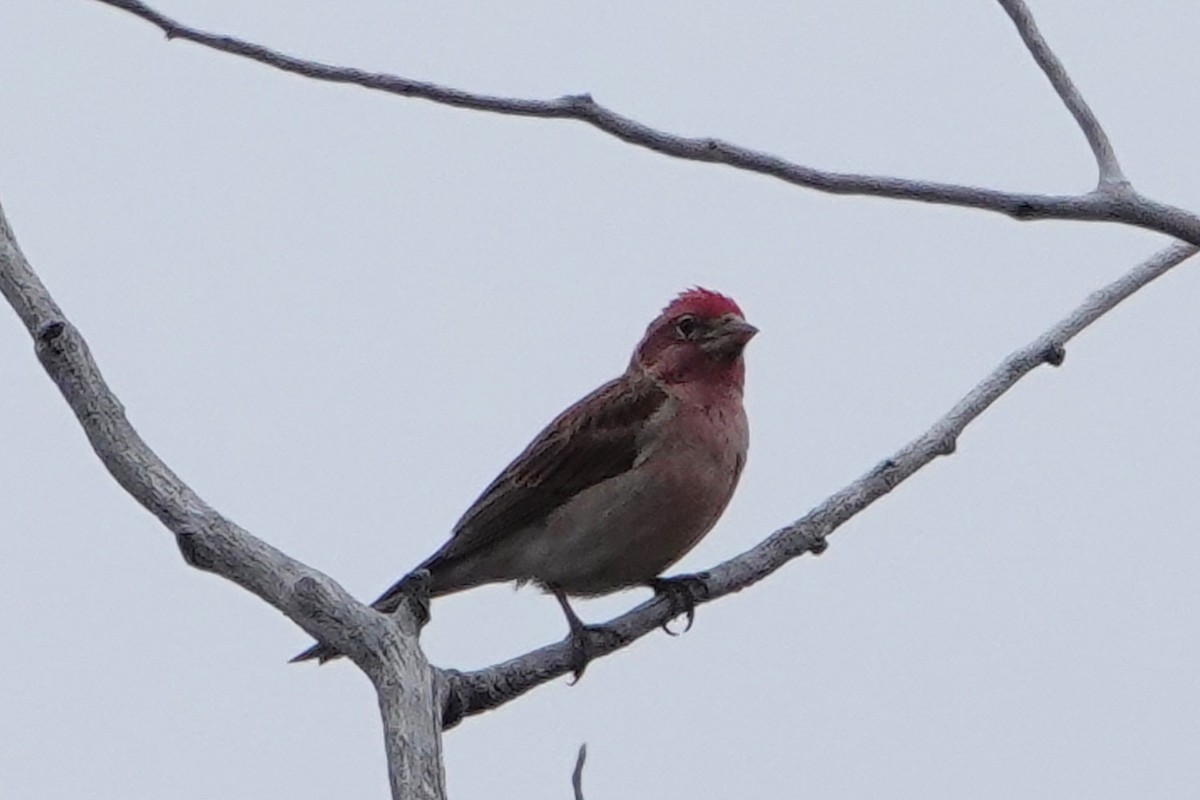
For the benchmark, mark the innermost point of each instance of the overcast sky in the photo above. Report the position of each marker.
(338, 314)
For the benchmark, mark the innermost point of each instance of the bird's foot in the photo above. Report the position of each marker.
(587, 642)
(681, 592)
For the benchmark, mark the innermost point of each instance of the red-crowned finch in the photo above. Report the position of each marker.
(622, 484)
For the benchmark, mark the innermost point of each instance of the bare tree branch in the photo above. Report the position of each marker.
(1125, 207)
(474, 692)
(385, 648)
(1111, 175)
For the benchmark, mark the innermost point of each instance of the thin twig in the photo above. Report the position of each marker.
(577, 775)
(1106, 158)
(474, 692)
(1100, 206)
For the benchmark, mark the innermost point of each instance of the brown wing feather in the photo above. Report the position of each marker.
(592, 441)
(589, 443)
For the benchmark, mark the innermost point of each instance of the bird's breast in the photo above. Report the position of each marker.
(629, 528)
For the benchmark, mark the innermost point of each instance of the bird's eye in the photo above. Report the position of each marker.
(686, 326)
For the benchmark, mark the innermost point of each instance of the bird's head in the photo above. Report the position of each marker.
(699, 337)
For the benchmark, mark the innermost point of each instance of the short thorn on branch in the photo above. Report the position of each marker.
(193, 554)
(1054, 354)
(51, 330)
(1023, 210)
(884, 469)
(720, 152)
(583, 100)
(416, 596)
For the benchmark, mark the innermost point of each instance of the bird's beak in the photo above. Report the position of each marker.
(728, 338)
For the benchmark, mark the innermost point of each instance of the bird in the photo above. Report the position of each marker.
(620, 485)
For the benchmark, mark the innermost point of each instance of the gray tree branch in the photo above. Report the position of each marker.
(1107, 205)
(385, 648)
(1111, 175)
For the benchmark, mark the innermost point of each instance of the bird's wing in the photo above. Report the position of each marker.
(594, 440)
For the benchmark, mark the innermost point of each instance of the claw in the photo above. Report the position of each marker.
(681, 592)
(589, 641)
(579, 654)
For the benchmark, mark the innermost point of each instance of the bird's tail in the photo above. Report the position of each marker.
(321, 652)
(416, 582)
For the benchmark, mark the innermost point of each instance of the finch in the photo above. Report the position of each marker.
(619, 486)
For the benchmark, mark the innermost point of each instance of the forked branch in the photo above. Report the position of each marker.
(1111, 175)
(385, 648)
(1125, 206)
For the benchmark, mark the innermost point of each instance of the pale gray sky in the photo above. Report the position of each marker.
(338, 314)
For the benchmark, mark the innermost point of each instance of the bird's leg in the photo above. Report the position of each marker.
(681, 592)
(578, 636)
